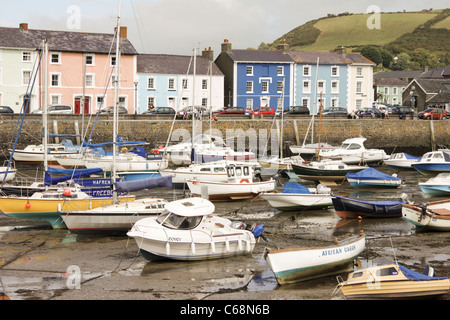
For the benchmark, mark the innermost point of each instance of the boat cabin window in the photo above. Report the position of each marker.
(174, 221)
(354, 146)
(357, 274)
(219, 169)
(437, 156)
(391, 271)
(230, 172)
(205, 169)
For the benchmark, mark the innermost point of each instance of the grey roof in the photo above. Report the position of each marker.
(174, 64)
(63, 41)
(433, 85)
(333, 58)
(390, 82)
(269, 56)
(437, 73)
(442, 97)
(410, 74)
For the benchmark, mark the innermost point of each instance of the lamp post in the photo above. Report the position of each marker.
(135, 99)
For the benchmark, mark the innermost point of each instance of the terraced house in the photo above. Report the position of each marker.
(169, 81)
(80, 64)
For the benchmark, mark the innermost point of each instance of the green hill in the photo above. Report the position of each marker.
(398, 32)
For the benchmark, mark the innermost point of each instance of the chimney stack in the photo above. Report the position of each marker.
(123, 32)
(284, 46)
(226, 46)
(23, 27)
(208, 54)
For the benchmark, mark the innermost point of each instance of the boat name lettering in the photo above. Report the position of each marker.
(330, 252)
(103, 182)
(174, 239)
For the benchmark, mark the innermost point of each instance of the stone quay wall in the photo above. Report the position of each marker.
(413, 136)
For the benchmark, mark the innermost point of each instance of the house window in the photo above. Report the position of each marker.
(305, 102)
(150, 102)
(249, 86)
(171, 84)
(306, 71)
(55, 99)
(334, 86)
(55, 58)
(358, 86)
(265, 87)
(26, 56)
(204, 102)
(334, 102)
(280, 87)
(89, 59)
(123, 102)
(54, 80)
(99, 101)
(321, 86)
(334, 71)
(306, 86)
(280, 70)
(89, 80)
(26, 76)
(204, 84)
(359, 72)
(150, 83)
(184, 84)
(358, 104)
(249, 104)
(280, 104)
(113, 60)
(249, 70)
(395, 90)
(386, 90)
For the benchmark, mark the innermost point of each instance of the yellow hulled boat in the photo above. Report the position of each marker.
(46, 206)
(393, 281)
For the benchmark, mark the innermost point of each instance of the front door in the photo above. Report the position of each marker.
(77, 105)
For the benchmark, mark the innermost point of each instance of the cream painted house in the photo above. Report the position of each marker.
(360, 82)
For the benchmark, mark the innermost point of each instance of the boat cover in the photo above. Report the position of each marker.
(70, 174)
(372, 202)
(408, 156)
(294, 187)
(141, 184)
(413, 275)
(371, 174)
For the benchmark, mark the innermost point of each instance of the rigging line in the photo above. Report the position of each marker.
(137, 18)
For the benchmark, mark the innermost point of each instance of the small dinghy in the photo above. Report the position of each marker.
(371, 177)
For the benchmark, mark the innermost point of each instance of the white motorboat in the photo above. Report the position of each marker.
(434, 162)
(210, 171)
(295, 197)
(310, 149)
(278, 163)
(353, 151)
(189, 230)
(116, 218)
(7, 174)
(126, 163)
(34, 154)
(240, 185)
(401, 160)
(437, 186)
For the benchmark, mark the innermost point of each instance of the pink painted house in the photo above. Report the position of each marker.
(83, 64)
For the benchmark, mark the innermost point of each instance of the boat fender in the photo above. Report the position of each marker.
(168, 249)
(247, 245)
(227, 245)
(155, 151)
(244, 180)
(213, 247)
(240, 244)
(28, 205)
(193, 247)
(67, 193)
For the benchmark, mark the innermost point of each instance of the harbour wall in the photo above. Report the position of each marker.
(413, 136)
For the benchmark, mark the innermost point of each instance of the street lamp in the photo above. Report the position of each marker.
(135, 99)
(413, 100)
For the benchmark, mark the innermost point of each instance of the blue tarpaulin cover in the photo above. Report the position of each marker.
(371, 174)
(70, 174)
(294, 187)
(135, 185)
(413, 275)
(408, 156)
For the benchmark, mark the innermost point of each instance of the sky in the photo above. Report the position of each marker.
(180, 26)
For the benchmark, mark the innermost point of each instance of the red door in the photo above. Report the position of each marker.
(78, 105)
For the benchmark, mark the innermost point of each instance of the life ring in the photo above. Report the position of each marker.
(160, 147)
(155, 151)
(244, 180)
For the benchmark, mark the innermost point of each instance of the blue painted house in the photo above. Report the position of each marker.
(255, 78)
(330, 70)
(168, 81)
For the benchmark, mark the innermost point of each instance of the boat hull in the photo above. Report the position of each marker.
(351, 208)
(403, 289)
(296, 202)
(431, 168)
(317, 174)
(299, 264)
(424, 219)
(48, 209)
(435, 190)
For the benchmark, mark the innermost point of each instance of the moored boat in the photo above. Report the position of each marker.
(437, 186)
(189, 230)
(294, 197)
(325, 170)
(434, 215)
(371, 177)
(392, 281)
(401, 160)
(299, 264)
(354, 208)
(433, 162)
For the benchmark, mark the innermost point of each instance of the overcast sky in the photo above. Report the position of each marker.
(179, 26)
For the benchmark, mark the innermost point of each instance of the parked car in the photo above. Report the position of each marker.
(57, 109)
(229, 110)
(334, 111)
(110, 110)
(160, 110)
(403, 112)
(6, 109)
(433, 114)
(186, 112)
(298, 110)
(262, 110)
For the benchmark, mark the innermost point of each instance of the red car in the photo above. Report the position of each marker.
(262, 110)
(230, 110)
(433, 113)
